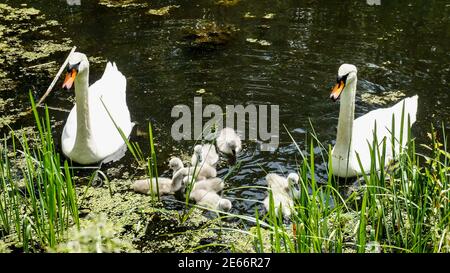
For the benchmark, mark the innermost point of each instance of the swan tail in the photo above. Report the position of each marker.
(115, 79)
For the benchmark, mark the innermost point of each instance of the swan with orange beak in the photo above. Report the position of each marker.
(356, 136)
(90, 134)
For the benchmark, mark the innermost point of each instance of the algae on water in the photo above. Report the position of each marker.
(122, 3)
(384, 98)
(209, 34)
(164, 11)
(26, 47)
(96, 235)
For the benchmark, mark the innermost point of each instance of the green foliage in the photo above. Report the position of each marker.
(403, 207)
(39, 211)
(96, 236)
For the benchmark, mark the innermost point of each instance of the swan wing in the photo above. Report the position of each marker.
(382, 120)
(69, 132)
(107, 104)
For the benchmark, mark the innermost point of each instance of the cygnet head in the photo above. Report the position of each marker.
(175, 164)
(293, 178)
(78, 64)
(198, 151)
(346, 74)
(224, 204)
(234, 147)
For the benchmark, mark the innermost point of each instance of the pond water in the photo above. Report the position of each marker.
(398, 46)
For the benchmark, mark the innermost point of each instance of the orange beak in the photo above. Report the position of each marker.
(336, 91)
(70, 78)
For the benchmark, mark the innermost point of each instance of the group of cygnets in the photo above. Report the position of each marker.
(206, 185)
(200, 177)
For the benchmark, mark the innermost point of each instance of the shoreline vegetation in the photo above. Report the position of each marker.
(45, 207)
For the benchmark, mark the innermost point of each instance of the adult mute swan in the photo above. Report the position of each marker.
(229, 142)
(283, 192)
(355, 135)
(89, 135)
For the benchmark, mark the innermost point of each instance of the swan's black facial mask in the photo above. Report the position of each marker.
(72, 71)
(337, 89)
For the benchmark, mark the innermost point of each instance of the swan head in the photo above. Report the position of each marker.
(175, 164)
(346, 74)
(78, 64)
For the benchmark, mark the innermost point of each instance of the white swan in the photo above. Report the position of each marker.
(143, 186)
(205, 153)
(210, 199)
(89, 135)
(283, 192)
(229, 142)
(355, 135)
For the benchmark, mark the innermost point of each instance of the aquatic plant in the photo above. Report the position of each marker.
(96, 236)
(402, 208)
(39, 211)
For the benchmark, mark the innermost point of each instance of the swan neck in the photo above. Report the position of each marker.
(346, 118)
(83, 115)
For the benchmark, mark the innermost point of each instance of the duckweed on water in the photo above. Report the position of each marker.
(209, 34)
(97, 235)
(149, 227)
(164, 11)
(15, 25)
(122, 3)
(20, 55)
(384, 98)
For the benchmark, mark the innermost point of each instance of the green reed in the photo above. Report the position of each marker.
(150, 162)
(401, 207)
(39, 212)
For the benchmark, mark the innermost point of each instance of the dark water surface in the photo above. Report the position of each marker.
(397, 46)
